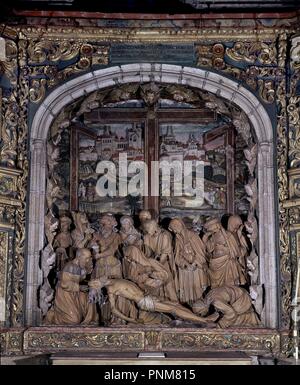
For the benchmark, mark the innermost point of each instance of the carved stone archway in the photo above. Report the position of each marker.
(168, 74)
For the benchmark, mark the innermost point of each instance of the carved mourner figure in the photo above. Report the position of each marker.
(128, 233)
(63, 242)
(129, 290)
(235, 226)
(83, 232)
(144, 215)
(105, 244)
(150, 275)
(191, 262)
(224, 253)
(234, 303)
(71, 305)
(158, 245)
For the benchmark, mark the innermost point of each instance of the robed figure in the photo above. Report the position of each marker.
(190, 261)
(71, 305)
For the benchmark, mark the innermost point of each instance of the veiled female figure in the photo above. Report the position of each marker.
(190, 261)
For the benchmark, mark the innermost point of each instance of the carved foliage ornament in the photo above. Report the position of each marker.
(49, 62)
(258, 77)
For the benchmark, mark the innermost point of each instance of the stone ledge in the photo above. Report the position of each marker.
(135, 339)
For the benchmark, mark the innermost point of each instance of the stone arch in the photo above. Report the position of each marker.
(161, 73)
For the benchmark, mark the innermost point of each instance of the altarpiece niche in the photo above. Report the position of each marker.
(166, 259)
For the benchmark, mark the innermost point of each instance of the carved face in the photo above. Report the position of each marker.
(85, 259)
(83, 219)
(178, 97)
(65, 225)
(126, 225)
(176, 226)
(150, 227)
(234, 223)
(108, 222)
(144, 216)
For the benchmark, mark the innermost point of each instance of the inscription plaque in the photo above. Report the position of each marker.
(142, 53)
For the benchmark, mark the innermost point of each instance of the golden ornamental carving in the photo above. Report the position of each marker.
(282, 44)
(83, 340)
(263, 53)
(53, 51)
(37, 90)
(21, 184)
(3, 264)
(13, 342)
(267, 90)
(153, 35)
(47, 54)
(286, 345)
(229, 341)
(257, 77)
(294, 124)
(10, 109)
(282, 156)
(295, 53)
(152, 339)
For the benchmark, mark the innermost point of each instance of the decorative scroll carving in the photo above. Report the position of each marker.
(10, 108)
(294, 120)
(35, 341)
(22, 164)
(38, 340)
(46, 50)
(258, 78)
(282, 153)
(230, 341)
(264, 53)
(3, 273)
(45, 56)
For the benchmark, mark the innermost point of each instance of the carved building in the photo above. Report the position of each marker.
(78, 88)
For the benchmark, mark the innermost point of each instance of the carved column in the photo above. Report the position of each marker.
(267, 246)
(35, 229)
(8, 206)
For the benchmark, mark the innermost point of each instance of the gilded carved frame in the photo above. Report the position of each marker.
(31, 77)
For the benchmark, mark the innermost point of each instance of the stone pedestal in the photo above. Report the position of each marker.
(171, 358)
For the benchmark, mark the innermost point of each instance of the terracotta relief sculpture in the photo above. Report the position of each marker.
(149, 279)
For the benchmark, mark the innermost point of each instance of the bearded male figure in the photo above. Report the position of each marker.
(158, 245)
(71, 305)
